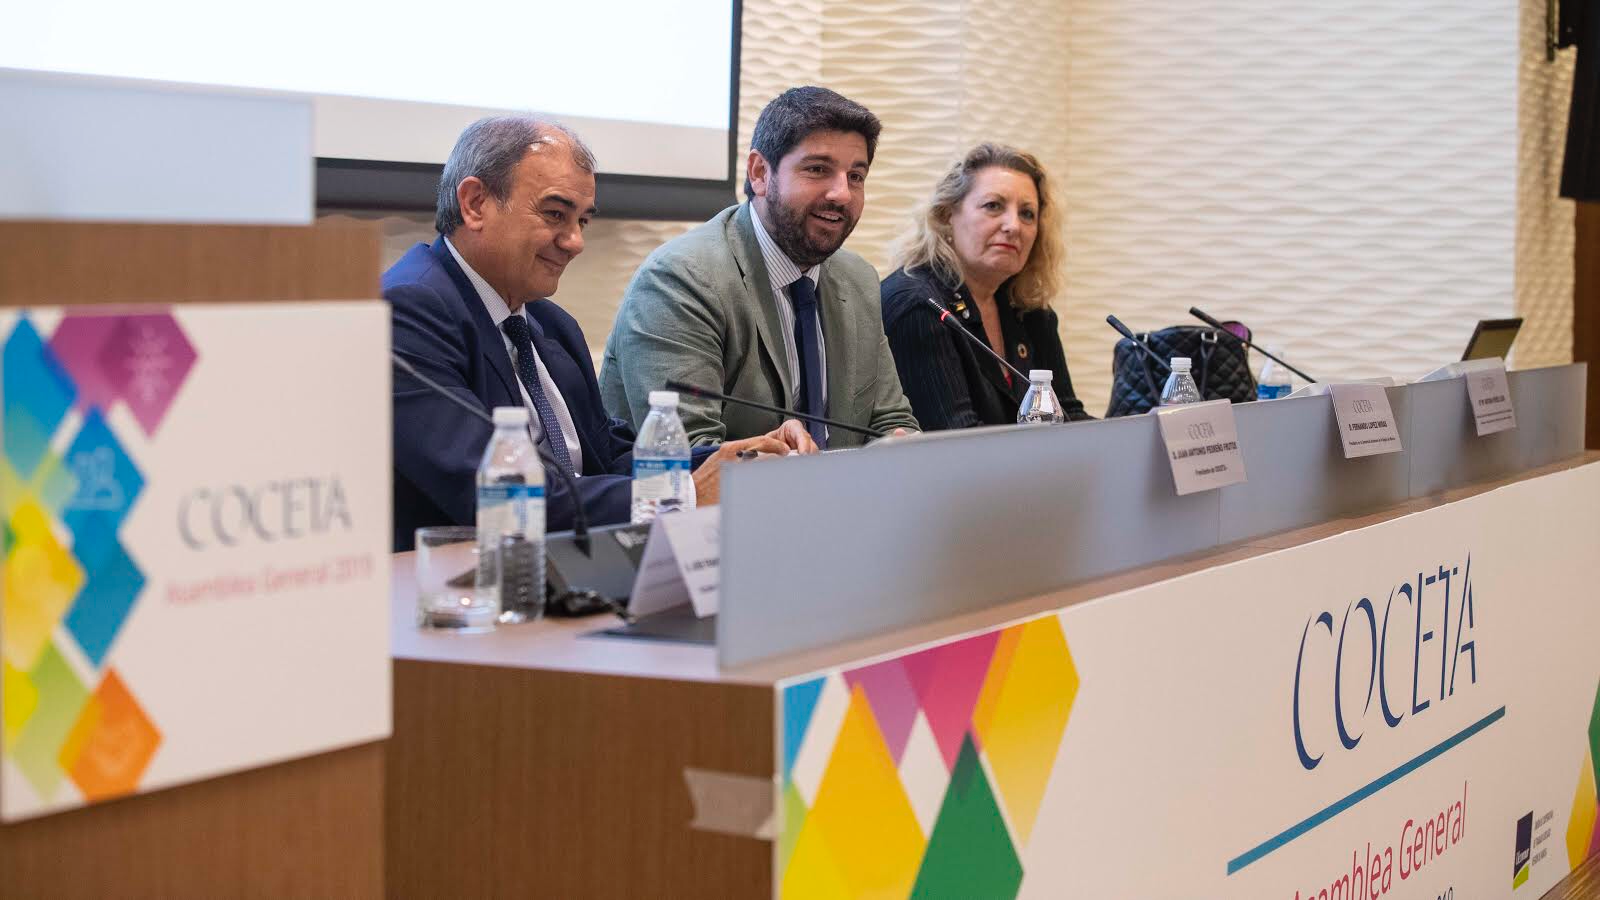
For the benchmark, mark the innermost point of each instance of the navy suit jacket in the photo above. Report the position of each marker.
(441, 327)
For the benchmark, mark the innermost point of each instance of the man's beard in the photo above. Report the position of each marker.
(789, 229)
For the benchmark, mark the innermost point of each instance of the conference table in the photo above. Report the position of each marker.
(559, 758)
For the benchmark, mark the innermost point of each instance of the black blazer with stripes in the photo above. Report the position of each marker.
(952, 384)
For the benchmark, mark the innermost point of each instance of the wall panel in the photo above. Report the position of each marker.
(1339, 175)
(1544, 221)
(1357, 179)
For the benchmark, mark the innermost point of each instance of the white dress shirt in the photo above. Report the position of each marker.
(499, 311)
(782, 272)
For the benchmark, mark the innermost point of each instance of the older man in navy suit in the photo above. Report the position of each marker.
(470, 311)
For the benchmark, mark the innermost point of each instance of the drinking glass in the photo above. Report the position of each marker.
(447, 574)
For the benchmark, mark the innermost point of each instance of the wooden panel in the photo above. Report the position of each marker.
(507, 782)
(308, 828)
(1586, 309)
(1582, 884)
(65, 263)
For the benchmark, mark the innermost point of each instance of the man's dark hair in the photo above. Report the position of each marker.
(798, 113)
(489, 150)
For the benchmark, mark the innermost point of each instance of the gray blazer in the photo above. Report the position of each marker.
(700, 310)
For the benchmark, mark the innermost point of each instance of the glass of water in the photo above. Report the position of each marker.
(447, 574)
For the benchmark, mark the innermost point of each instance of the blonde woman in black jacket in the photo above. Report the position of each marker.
(988, 247)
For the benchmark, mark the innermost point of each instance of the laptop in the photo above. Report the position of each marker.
(1492, 339)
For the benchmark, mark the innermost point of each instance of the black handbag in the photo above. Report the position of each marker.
(1221, 368)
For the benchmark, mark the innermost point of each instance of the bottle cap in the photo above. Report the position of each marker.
(1038, 375)
(511, 415)
(1180, 364)
(664, 398)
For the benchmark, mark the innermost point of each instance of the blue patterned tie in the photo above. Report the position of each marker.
(521, 335)
(803, 297)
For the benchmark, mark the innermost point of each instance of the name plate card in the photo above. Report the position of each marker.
(682, 564)
(1490, 397)
(1366, 421)
(1202, 445)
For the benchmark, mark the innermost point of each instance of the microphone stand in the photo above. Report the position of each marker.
(580, 518)
(945, 317)
(1195, 311)
(1123, 330)
(693, 391)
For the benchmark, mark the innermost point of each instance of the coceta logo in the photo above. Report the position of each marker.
(1430, 606)
(270, 511)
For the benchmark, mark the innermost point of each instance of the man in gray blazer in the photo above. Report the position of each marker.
(760, 303)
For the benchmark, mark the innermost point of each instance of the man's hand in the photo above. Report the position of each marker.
(708, 478)
(794, 435)
(892, 437)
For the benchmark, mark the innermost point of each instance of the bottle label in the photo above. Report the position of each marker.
(1272, 391)
(511, 508)
(658, 478)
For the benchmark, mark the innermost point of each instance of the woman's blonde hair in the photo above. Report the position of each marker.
(928, 241)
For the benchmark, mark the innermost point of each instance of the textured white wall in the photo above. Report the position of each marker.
(1338, 174)
(1356, 179)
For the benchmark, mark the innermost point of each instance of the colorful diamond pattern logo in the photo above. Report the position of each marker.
(841, 853)
(140, 360)
(1583, 828)
(69, 583)
(110, 744)
(927, 780)
(969, 854)
(38, 394)
(61, 695)
(40, 579)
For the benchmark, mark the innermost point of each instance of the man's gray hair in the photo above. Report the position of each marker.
(490, 149)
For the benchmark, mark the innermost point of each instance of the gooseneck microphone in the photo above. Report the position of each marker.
(580, 518)
(948, 319)
(1126, 332)
(693, 391)
(1196, 312)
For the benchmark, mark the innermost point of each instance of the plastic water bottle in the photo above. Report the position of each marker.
(1180, 386)
(1275, 380)
(1039, 404)
(661, 479)
(511, 518)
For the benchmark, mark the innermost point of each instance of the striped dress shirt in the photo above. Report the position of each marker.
(783, 272)
(500, 311)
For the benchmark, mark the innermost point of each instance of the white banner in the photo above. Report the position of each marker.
(1408, 710)
(197, 508)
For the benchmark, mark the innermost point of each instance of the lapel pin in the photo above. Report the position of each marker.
(1022, 351)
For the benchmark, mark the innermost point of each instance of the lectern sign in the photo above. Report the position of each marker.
(195, 507)
(1490, 397)
(1366, 421)
(1407, 710)
(1202, 445)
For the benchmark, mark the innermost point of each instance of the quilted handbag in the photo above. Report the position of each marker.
(1221, 368)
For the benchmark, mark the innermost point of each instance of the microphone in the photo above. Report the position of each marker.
(580, 518)
(578, 581)
(944, 316)
(693, 391)
(1195, 311)
(1123, 330)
